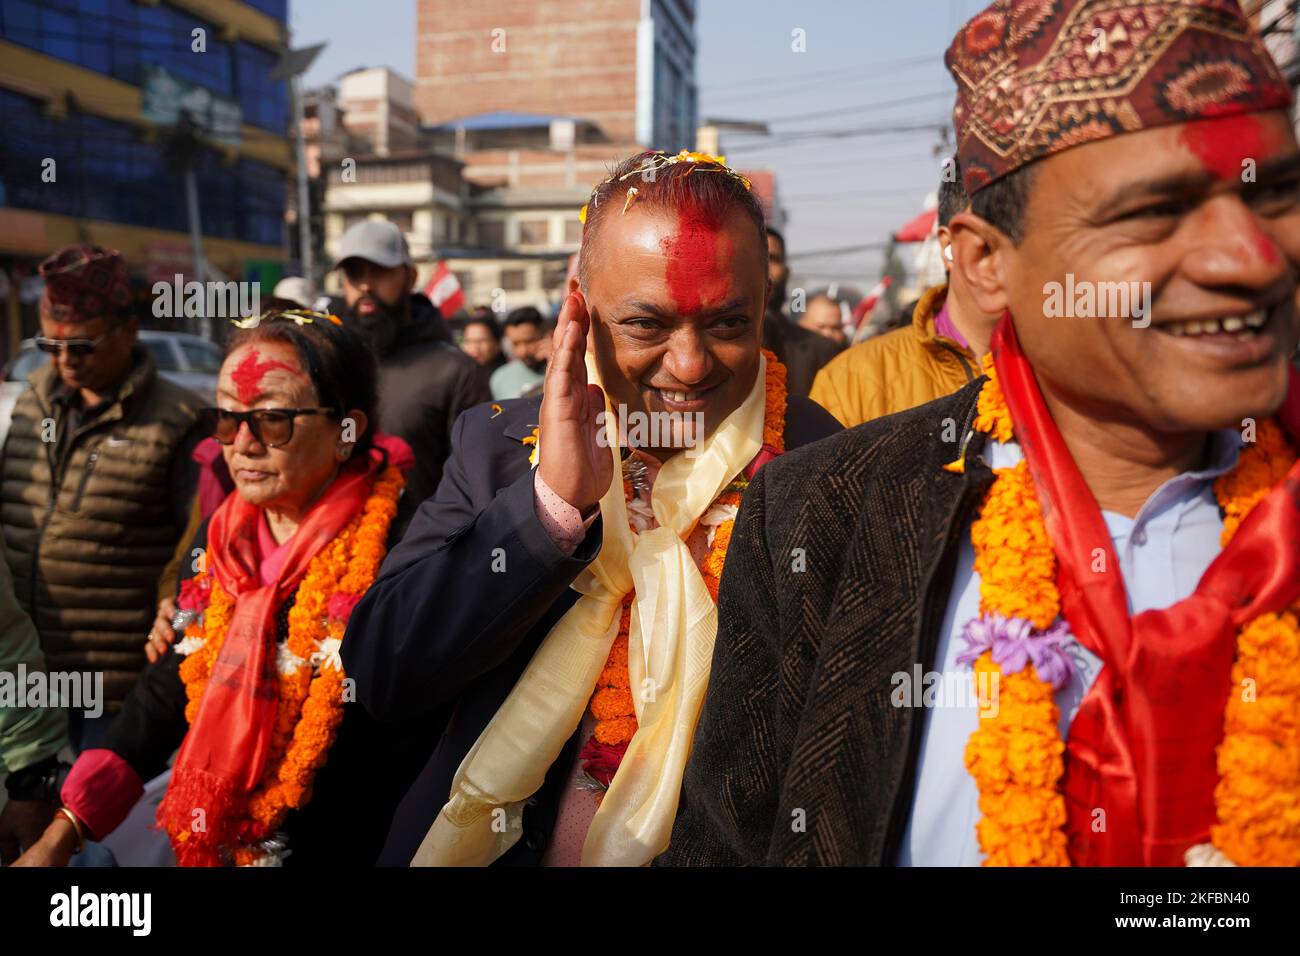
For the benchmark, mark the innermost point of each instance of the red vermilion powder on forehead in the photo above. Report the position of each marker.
(696, 255)
(248, 375)
(1223, 144)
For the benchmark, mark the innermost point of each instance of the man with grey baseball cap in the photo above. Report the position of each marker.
(378, 241)
(425, 381)
(378, 283)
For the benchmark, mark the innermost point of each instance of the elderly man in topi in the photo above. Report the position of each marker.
(1090, 556)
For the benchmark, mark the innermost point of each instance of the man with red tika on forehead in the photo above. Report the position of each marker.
(1052, 619)
(558, 593)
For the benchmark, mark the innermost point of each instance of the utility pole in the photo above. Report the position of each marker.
(306, 253)
(181, 152)
(293, 64)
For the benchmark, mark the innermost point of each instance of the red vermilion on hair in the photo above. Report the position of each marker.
(696, 256)
(669, 182)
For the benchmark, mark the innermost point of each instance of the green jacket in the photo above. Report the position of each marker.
(27, 735)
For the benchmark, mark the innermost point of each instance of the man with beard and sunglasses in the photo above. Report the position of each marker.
(425, 381)
(98, 477)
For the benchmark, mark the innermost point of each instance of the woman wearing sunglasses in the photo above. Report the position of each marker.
(254, 694)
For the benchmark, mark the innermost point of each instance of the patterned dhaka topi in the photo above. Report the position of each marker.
(1035, 77)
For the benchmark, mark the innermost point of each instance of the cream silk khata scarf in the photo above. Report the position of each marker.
(670, 647)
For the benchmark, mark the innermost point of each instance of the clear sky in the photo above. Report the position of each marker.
(867, 65)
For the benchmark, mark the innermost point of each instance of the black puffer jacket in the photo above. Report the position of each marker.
(425, 382)
(90, 519)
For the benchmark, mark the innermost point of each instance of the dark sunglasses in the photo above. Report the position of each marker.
(82, 347)
(272, 427)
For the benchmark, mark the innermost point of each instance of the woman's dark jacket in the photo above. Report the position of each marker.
(369, 767)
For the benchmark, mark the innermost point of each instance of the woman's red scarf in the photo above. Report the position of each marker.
(225, 751)
(1141, 748)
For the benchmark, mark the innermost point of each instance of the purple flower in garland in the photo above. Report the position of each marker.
(1049, 652)
(1011, 645)
(979, 635)
(1015, 643)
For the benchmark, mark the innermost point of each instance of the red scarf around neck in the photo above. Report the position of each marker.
(225, 751)
(1140, 758)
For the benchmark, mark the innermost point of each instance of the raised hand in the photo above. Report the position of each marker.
(571, 458)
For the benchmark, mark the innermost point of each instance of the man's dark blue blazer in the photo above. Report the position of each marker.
(463, 601)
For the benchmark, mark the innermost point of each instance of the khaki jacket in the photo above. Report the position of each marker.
(895, 371)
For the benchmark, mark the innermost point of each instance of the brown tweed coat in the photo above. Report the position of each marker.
(837, 578)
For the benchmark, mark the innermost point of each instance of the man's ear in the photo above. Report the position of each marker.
(574, 285)
(944, 235)
(978, 255)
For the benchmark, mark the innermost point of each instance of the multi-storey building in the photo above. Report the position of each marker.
(379, 110)
(627, 66)
(89, 91)
(505, 231)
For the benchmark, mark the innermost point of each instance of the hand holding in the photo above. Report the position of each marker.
(161, 635)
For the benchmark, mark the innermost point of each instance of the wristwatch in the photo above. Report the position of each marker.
(40, 781)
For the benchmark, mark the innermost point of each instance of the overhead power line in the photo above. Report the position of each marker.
(839, 251)
(863, 70)
(861, 108)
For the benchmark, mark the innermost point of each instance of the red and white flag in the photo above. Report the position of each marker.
(444, 291)
(868, 303)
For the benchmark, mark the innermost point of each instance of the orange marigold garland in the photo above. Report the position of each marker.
(612, 704)
(1258, 796)
(310, 706)
(1016, 755)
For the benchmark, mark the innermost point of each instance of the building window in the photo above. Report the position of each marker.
(554, 275)
(512, 280)
(386, 173)
(534, 232)
(265, 102)
(572, 232)
(402, 220)
(492, 234)
(110, 173)
(118, 37)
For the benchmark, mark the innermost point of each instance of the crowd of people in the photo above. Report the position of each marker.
(682, 581)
